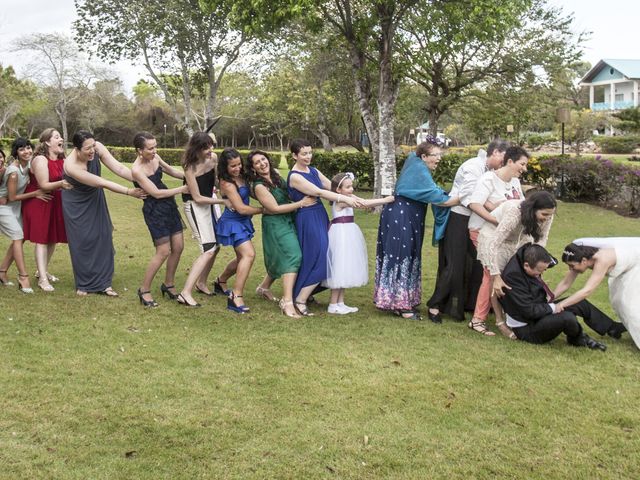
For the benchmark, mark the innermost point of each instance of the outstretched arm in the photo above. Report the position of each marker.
(270, 205)
(303, 185)
(230, 191)
(169, 170)
(149, 187)
(599, 272)
(87, 178)
(112, 164)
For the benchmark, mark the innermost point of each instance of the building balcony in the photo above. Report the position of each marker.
(598, 107)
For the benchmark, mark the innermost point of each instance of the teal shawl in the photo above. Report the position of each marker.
(416, 183)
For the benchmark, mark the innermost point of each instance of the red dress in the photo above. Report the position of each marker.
(42, 222)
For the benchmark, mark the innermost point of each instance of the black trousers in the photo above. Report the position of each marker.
(459, 272)
(550, 326)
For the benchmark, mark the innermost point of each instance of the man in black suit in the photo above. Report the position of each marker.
(529, 304)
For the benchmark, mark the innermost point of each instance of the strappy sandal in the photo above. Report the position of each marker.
(51, 278)
(266, 294)
(217, 287)
(506, 331)
(20, 287)
(283, 307)
(208, 294)
(304, 311)
(7, 282)
(231, 304)
(109, 292)
(481, 327)
(45, 285)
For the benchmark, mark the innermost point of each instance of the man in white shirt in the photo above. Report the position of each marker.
(459, 273)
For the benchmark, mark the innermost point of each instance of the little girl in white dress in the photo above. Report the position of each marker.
(347, 262)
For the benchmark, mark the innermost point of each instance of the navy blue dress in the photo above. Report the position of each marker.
(312, 225)
(160, 214)
(234, 228)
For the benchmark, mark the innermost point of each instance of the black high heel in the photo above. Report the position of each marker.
(218, 288)
(164, 289)
(208, 294)
(147, 303)
(183, 301)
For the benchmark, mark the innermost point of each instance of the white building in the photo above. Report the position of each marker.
(613, 84)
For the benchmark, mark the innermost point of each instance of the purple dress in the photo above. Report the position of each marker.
(312, 225)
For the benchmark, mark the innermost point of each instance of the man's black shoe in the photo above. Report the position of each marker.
(595, 345)
(616, 330)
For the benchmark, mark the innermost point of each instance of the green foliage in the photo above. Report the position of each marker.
(173, 156)
(536, 140)
(629, 120)
(619, 144)
(597, 180)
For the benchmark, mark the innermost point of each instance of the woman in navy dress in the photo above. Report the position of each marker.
(235, 227)
(398, 278)
(160, 214)
(312, 223)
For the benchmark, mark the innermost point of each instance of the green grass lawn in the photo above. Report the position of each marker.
(100, 388)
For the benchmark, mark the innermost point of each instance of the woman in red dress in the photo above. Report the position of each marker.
(43, 223)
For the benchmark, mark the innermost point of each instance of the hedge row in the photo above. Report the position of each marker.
(173, 156)
(361, 165)
(621, 144)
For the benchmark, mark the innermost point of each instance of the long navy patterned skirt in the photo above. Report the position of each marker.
(398, 279)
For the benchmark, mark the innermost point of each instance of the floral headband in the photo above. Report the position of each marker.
(348, 175)
(567, 253)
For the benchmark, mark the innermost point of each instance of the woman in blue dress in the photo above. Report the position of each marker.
(160, 214)
(235, 227)
(312, 223)
(398, 277)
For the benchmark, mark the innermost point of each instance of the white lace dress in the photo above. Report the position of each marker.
(624, 279)
(496, 245)
(347, 263)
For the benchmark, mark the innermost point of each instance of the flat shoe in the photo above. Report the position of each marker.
(480, 327)
(434, 317)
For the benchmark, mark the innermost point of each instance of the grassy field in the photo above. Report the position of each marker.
(101, 388)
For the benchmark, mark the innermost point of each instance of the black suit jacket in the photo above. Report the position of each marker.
(527, 299)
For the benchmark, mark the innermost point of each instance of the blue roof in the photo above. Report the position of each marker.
(628, 68)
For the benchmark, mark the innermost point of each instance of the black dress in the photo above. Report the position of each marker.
(161, 214)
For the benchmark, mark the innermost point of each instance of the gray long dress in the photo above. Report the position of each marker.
(89, 229)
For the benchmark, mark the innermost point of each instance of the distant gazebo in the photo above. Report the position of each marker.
(613, 84)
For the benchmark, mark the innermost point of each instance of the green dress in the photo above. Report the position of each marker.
(282, 252)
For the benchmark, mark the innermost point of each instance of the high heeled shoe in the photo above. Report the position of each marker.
(51, 278)
(283, 308)
(165, 290)
(217, 287)
(147, 303)
(7, 282)
(183, 301)
(266, 294)
(208, 294)
(45, 285)
(231, 304)
(20, 287)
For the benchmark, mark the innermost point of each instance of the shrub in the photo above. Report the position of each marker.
(361, 165)
(621, 144)
(173, 156)
(595, 180)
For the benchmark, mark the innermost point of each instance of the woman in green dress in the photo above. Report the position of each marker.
(282, 255)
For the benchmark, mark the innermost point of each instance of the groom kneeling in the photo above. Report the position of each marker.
(529, 306)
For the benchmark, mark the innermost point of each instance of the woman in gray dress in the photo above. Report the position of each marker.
(86, 215)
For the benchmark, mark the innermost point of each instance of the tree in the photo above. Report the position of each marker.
(15, 96)
(629, 119)
(452, 47)
(61, 68)
(173, 39)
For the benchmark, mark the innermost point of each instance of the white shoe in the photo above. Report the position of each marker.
(337, 309)
(350, 309)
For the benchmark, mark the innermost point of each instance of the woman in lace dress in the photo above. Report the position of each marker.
(519, 222)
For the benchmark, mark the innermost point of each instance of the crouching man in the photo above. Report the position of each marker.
(529, 303)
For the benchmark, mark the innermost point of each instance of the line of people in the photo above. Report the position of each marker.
(486, 230)
(484, 226)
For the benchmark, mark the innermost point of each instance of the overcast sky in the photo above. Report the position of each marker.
(613, 24)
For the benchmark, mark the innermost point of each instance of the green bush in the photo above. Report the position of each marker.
(537, 140)
(361, 165)
(621, 144)
(173, 156)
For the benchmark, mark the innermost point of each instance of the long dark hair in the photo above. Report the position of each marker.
(226, 156)
(529, 207)
(199, 141)
(274, 180)
(575, 253)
